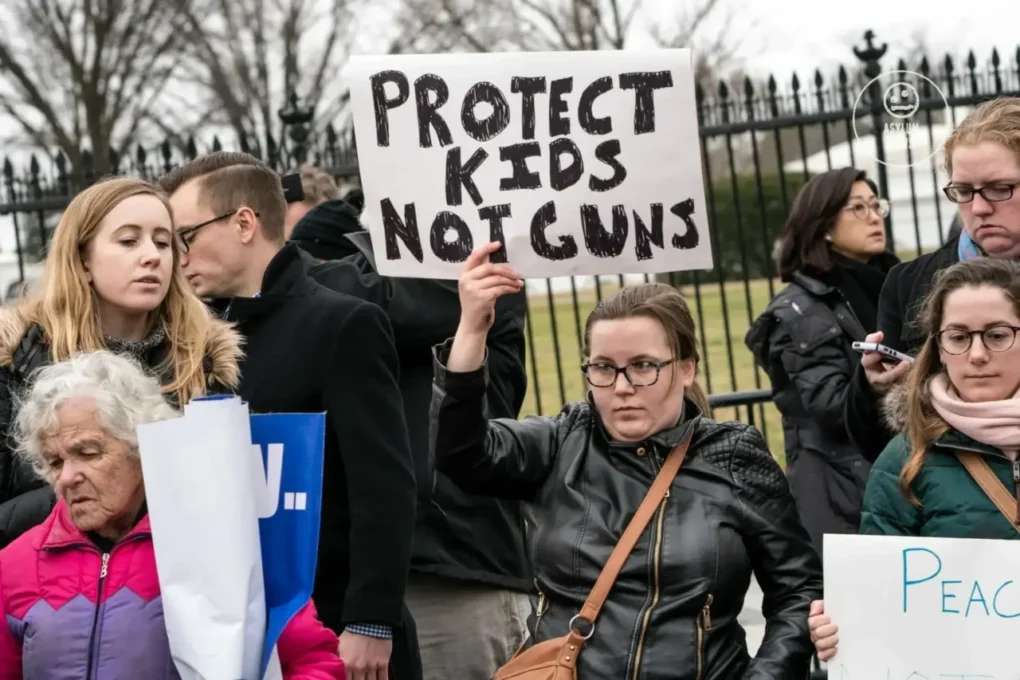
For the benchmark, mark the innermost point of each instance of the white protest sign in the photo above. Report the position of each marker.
(578, 162)
(923, 608)
(205, 534)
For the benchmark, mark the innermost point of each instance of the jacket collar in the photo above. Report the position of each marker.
(958, 441)
(62, 532)
(362, 240)
(812, 285)
(284, 278)
(662, 441)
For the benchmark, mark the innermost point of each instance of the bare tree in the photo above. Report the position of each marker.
(716, 51)
(552, 25)
(250, 56)
(506, 25)
(86, 72)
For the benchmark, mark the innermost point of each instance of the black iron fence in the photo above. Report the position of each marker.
(760, 142)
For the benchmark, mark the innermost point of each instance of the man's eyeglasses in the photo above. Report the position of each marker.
(995, 339)
(861, 210)
(993, 193)
(186, 236)
(638, 374)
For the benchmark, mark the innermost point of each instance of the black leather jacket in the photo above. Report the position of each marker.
(673, 611)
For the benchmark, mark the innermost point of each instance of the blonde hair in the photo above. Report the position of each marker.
(318, 185)
(65, 303)
(924, 424)
(996, 120)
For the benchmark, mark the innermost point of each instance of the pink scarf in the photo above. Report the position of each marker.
(995, 423)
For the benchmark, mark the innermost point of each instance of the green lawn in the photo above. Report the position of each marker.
(544, 392)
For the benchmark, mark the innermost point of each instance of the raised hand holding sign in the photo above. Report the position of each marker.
(481, 284)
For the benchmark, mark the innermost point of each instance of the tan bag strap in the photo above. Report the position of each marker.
(658, 491)
(991, 485)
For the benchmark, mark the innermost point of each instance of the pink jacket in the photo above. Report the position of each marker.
(68, 611)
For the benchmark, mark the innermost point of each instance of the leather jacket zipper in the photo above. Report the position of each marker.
(704, 625)
(657, 561)
(94, 637)
(540, 610)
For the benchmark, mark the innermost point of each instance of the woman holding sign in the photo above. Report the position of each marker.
(649, 516)
(959, 421)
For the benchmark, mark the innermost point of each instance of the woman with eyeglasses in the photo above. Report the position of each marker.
(959, 408)
(833, 258)
(112, 280)
(671, 612)
(982, 158)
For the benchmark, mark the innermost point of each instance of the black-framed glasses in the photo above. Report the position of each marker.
(186, 236)
(861, 210)
(995, 339)
(638, 374)
(993, 193)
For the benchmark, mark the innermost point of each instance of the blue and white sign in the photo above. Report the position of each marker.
(920, 608)
(234, 501)
(290, 501)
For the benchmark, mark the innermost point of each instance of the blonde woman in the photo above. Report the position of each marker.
(982, 158)
(112, 280)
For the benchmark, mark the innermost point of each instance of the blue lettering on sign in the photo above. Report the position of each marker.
(921, 565)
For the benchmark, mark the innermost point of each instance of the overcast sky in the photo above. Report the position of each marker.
(781, 36)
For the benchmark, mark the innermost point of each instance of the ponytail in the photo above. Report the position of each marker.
(696, 394)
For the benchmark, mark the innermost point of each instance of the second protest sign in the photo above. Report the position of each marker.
(578, 162)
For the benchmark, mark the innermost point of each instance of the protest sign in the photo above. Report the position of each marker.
(237, 559)
(292, 446)
(577, 162)
(199, 473)
(923, 608)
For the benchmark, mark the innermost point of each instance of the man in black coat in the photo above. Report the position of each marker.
(310, 349)
(470, 575)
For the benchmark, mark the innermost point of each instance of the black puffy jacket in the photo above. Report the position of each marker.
(673, 611)
(803, 341)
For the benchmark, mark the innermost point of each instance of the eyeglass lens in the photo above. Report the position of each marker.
(996, 339)
(992, 192)
(640, 374)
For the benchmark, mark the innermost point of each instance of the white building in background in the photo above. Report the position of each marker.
(920, 212)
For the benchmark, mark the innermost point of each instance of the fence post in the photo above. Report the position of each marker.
(296, 119)
(872, 69)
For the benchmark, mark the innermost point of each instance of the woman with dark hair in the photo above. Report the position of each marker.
(833, 256)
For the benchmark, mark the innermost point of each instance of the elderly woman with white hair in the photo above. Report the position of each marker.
(79, 594)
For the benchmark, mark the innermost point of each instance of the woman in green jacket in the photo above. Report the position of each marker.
(959, 410)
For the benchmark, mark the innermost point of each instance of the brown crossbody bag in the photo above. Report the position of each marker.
(991, 485)
(556, 659)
